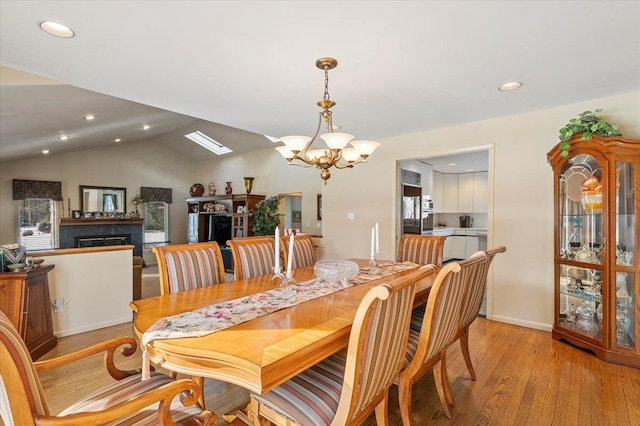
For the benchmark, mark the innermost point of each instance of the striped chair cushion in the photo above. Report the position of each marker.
(190, 269)
(255, 259)
(417, 315)
(412, 347)
(477, 281)
(422, 250)
(311, 398)
(303, 253)
(126, 389)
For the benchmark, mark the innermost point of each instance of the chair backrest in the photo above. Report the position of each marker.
(477, 285)
(304, 253)
(444, 308)
(19, 382)
(252, 256)
(421, 249)
(189, 266)
(377, 345)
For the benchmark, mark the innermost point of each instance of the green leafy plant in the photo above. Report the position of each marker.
(589, 123)
(265, 216)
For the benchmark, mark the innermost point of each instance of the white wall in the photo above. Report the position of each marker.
(520, 193)
(131, 166)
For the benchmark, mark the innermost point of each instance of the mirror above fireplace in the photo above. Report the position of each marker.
(103, 199)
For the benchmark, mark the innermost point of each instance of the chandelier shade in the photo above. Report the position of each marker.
(341, 151)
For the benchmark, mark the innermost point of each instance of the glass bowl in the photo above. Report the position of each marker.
(336, 270)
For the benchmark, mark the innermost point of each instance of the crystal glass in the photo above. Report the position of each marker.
(336, 270)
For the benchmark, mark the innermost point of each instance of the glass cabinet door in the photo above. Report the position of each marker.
(625, 248)
(581, 244)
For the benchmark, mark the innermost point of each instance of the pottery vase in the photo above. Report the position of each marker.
(228, 189)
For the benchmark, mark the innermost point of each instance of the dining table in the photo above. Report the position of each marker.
(261, 353)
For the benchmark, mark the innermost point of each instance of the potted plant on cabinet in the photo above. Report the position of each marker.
(589, 123)
(265, 216)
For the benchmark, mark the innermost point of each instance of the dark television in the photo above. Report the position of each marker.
(219, 229)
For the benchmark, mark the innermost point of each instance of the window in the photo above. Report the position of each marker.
(156, 222)
(37, 219)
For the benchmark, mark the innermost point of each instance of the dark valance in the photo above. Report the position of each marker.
(23, 189)
(162, 195)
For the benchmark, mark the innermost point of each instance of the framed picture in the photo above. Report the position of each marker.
(76, 214)
(97, 215)
(297, 216)
(319, 207)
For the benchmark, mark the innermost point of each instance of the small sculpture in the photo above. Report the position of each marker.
(228, 189)
(212, 188)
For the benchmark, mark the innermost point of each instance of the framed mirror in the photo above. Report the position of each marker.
(103, 199)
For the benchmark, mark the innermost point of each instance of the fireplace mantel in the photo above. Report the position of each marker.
(76, 222)
(72, 231)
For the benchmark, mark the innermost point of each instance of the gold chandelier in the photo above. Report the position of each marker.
(337, 154)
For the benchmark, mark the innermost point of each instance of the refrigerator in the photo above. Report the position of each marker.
(411, 209)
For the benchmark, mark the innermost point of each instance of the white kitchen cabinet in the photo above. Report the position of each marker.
(447, 253)
(480, 192)
(471, 246)
(438, 193)
(465, 193)
(459, 247)
(449, 193)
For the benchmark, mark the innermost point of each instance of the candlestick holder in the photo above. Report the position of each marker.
(285, 280)
(373, 266)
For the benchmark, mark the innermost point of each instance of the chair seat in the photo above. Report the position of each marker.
(417, 315)
(311, 398)
(126, 389)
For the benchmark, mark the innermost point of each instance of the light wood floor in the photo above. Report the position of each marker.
(524, 378)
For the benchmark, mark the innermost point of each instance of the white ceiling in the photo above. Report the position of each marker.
(403, 66)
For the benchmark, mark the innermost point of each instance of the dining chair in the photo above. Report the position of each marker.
(421, 249)
(189, 266)
(126, 401)
(304, 252)
(437, 329)
(252, 256)
(477, 285)
(345, 388)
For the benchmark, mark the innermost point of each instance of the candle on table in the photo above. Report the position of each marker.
(277, 253)
(373, 241)
(290, 256)
(377, 239)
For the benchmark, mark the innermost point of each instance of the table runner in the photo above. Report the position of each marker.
(219, 316)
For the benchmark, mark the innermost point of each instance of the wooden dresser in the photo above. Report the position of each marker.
(24, 298)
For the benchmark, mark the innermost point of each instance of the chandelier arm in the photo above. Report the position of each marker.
(313, 139)
(305, 165)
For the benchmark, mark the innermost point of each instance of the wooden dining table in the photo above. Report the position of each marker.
(264, 352)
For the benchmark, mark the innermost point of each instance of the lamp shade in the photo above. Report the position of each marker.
(285, 151)
(365, 148)
(350, 154)
(336, 140)
(295, 143)
(314, 154)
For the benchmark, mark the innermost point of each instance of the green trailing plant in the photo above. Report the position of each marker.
(589, 123)
(265, 216)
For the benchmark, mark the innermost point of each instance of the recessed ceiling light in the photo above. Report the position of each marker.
(336, 127)
(510, 86)
(451, 164)
(45, 151)
(63, 137)
(56, 29)
(146, 127)
(117, 140)
(89, 117)
(469, 170)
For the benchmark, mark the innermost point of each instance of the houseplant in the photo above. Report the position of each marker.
(265, 216)
(589, 123)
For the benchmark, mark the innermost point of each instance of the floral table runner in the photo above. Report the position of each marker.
(220, 316)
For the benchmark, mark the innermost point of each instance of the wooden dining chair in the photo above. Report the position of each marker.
(126, 401)
(477, 285)
(304, 252)
(437, 329)
(252, 256)
(189, 266)
(421, 249)
(345, 389)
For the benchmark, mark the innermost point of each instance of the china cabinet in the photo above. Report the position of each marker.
(597, 246)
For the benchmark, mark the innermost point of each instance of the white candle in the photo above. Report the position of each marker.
(277, 253)
(373, 241)
(290, 256)
(377, 239)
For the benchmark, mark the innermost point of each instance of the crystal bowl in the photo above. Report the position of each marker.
(336, 270)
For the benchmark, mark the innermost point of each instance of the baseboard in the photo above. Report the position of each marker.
(91, 327)
(528, 324)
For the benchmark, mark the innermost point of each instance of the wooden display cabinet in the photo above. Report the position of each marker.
(24, 298)
(597, 247)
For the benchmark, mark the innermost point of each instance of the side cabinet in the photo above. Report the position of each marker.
(24, 298)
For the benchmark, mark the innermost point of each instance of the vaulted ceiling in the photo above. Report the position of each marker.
(404, 66)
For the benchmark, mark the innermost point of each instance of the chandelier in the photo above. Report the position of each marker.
(296, 149)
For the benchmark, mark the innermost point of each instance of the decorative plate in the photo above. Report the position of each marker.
(196, 190)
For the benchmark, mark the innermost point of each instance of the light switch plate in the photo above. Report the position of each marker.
(351, 216)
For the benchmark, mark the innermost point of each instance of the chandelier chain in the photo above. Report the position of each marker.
(326, 85)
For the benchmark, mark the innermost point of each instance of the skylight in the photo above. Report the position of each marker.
(272, 139)
(208, 143)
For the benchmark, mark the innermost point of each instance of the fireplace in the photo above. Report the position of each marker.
(76, 233)
(102, 240)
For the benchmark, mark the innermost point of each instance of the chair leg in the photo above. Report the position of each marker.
(200, 382)
(464, 345)
(441, 395)
(444, 377)
(382, 410)
(404, 399)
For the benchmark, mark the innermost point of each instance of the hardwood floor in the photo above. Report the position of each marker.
(524, 378)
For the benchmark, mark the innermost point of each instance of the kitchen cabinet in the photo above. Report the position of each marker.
(24, 298)
(465, 193)
(460, 193)
(438, 193)
(471, 246)
(597, 247)
(480, 192)
(449, 193)
(459, 246)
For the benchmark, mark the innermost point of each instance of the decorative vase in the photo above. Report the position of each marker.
(228, 189)
(212, 188)
(248, 184)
